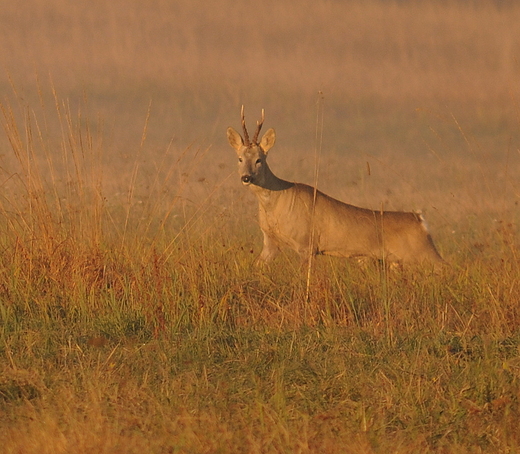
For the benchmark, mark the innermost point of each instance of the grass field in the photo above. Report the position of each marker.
(131, 317)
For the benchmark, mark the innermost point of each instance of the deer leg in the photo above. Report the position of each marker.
(269, 251)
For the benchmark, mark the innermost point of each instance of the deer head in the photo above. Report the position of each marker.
(252, 166)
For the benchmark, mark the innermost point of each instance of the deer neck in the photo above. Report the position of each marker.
(270, 186)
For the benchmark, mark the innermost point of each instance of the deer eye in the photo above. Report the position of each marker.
(240, 159)
(258, 161)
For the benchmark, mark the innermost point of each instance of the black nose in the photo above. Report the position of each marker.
(246, 179)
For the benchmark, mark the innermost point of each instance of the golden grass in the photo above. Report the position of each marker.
(131, 319)
(395, 49)
(197, 65)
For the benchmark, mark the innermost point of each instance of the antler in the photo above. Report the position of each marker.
(246, 135)
(258, 127)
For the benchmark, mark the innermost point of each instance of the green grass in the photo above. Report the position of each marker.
(231, 361)
(143, 327)
(134, 321)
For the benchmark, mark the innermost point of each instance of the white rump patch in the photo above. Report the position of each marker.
(424, 225)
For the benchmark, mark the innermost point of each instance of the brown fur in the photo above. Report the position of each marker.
(308, 221)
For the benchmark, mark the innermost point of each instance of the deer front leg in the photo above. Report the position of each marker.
(269, 251)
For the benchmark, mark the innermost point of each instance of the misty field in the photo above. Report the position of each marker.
(132, 318)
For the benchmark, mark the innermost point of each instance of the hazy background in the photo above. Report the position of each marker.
(420, 99)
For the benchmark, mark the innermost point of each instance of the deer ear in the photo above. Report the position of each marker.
(268, 140)
(234, 139)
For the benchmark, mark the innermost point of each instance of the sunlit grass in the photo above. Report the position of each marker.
(136, 322)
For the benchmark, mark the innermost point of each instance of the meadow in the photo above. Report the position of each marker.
(132, 318)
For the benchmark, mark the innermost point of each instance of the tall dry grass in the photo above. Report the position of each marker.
(404, 84)
(134, 321)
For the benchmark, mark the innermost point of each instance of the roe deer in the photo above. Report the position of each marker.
(310, 222)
